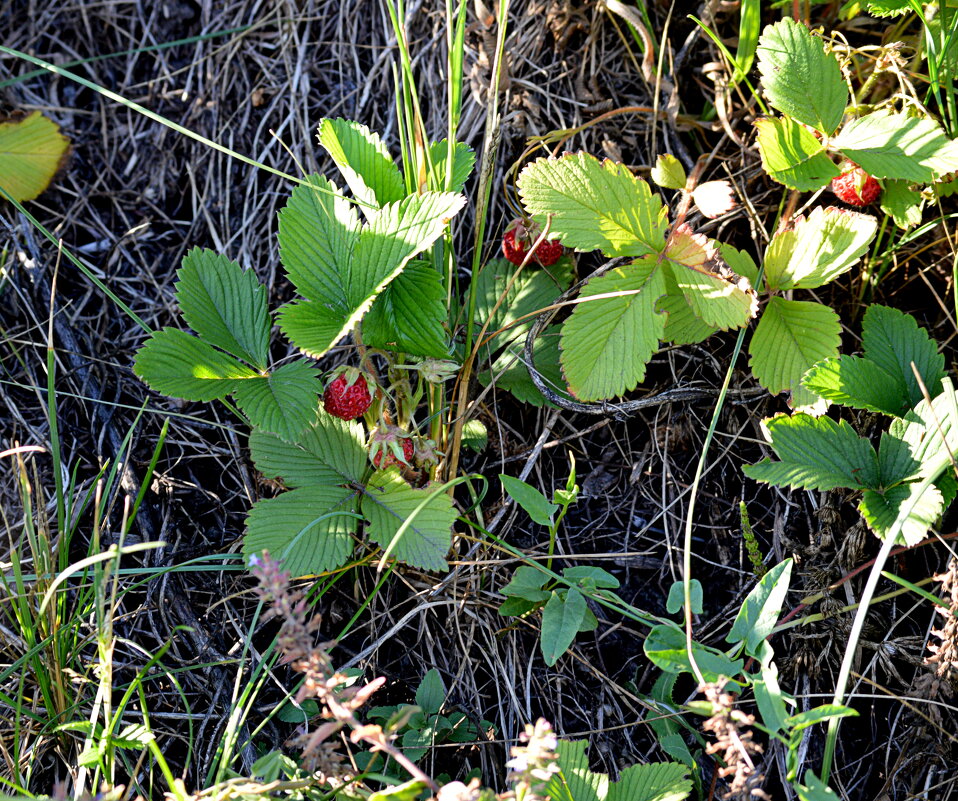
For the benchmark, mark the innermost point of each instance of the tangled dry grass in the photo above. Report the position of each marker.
(256, 77)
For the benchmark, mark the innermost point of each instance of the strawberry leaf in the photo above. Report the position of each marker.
(821, 247)
(364, 161)
(898, 146)
(225, 305)
(310, 529)
(175, 363)
(669, 173)
(283, 402)
(330, 451)
(594, 205)
(510, 372)
(414, 525)
(409, 313)
(882, 509)
(791, 336)
(902, 203)
(791, 155)
(714, 294)
(817, 453)
(318, 229)
(799, 78)
(858, 383)
(607, 343)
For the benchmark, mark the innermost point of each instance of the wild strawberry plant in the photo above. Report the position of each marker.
(822, 126)
(361, 267)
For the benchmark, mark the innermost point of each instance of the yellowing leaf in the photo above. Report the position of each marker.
(32, 149)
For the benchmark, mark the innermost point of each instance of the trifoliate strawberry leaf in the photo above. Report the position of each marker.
(882, 509)
(715, 295)
(413, 525)
(898, 146)
(826, 244)
(857, 382)
(309, 529)
(658, 781)
(408, 314)
(225, 305)
(669, 173)
(607, 343)
(799, 78)
(395, 234)
(594, 205)
(791, 336)
(364, 161)
(561, 618)
(511, 373)
(318, 229)
(32, 150)
(902, 203)
(817, 453)
(331, 451)
(522, 296)
(175, 363)
(894, 341)
(283, 402)
(791, 155)
(463, 160)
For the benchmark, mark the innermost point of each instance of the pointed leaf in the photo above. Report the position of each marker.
(799, 78)
(225, 305)
(464, 159)
(561, 618)
(408, 314)
(530, 499)
(175, 363)
(665, 646)
(331, 451)
(413, 525)
(759, 611)
(859, 383)
(893, 340)
(284, 402)
(898, 146)
(364, 161)
(713, 292)
(32, 149)
(309, 529)
(881, 510)
(607, 343)
(817, 453)
(431, 693)
(594, 206)
(791, 336)
(318, 229)
(791, 155)
(821, 247)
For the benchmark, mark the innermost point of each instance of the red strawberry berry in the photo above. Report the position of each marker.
(855, 186)
(521, 235)
(347, 396)
(390, 446)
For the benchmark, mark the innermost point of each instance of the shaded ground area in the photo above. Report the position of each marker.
(136, 196)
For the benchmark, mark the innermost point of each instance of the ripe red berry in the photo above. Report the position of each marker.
(385, 457)
(855, 186)
(521, 235)
(347, 399)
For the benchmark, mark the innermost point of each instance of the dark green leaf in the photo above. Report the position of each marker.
(284, 402)
(530, 499)
(431, 693)
(561, 619)
(665, 646)
(409, 313)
